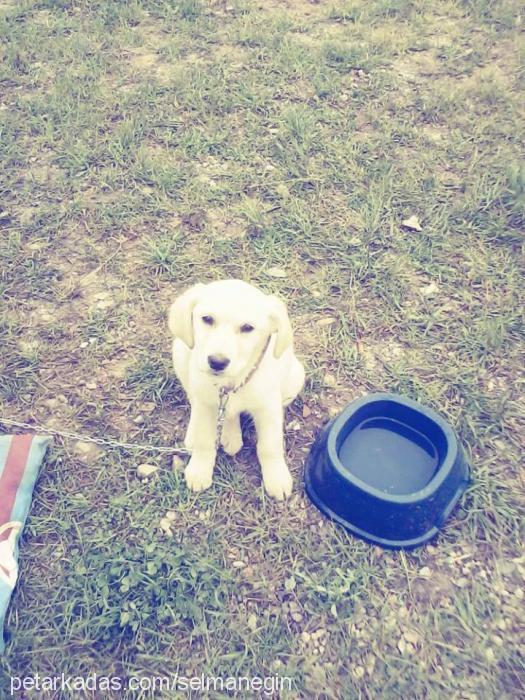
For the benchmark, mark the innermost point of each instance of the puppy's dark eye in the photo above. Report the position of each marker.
(246, 328)
(208, 320)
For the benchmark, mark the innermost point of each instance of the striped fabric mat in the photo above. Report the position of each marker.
(20, 460)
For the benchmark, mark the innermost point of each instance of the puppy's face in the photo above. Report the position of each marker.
(230, 327)
(227, 324)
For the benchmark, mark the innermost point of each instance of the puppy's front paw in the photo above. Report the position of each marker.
(278, 481)
(231, 439)
(198, 475)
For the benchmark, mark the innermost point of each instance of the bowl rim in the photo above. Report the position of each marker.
(403, 499)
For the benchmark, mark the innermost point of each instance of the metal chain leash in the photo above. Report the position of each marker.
(224, 395)
(223, 400)
(88, 438)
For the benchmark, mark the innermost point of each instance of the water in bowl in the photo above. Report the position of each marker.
(389, 455)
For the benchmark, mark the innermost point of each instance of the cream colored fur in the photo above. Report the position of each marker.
(214, 321)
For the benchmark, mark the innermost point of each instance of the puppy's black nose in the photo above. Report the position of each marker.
(218, 362)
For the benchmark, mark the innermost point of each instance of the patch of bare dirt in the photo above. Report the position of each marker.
(447, 31)
(225, 226)
(41, 169)
(142, 60)
(8, 5)
(236, 56)
(301, 8)
(433, 588)
(417, 66)
(98, 290)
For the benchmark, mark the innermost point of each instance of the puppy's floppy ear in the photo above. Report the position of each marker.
(180, 317)
(280, 325)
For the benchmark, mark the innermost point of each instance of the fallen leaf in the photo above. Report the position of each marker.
(290, 583)
(430, 290)
(177, 463)
(87, 451)
(412, 223)
(329, 380)
(489, 655)
(145, 470)
(412, 637)
(283, 191)
(165, 526)
(276, 272)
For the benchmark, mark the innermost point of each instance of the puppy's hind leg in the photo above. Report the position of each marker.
(293, 382)
(181, 360)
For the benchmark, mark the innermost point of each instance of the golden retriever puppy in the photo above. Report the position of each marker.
(233, 342)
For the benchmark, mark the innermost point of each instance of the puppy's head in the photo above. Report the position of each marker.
(227, 324)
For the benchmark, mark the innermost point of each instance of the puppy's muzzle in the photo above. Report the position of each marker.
(218, 363)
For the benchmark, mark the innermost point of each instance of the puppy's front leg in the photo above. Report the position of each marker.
(231, 438)
(270, 450)
(199, 472)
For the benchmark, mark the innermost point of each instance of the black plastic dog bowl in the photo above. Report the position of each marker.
(388, 469)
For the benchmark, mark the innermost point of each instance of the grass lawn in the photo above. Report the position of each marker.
(150, 144)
